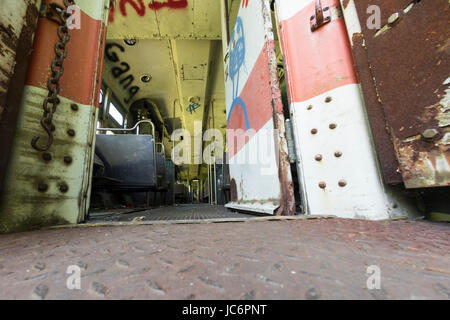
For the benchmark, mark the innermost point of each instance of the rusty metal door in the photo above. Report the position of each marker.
(18, 21)
(52, 186)
(403, 63)
(257, 150)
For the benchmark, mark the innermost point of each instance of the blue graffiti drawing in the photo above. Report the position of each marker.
(192, 107)
(237, 60)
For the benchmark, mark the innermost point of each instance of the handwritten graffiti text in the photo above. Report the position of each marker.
(123, 68)
(140, 7)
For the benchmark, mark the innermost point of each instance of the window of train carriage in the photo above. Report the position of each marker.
(115, 111)
(100, 97)
(115, 114)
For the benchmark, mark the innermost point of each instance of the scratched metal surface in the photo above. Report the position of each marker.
(308, 259)
(409, 63)
(17, 27)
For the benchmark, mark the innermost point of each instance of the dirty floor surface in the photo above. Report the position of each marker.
(300, 259)
(184, 212)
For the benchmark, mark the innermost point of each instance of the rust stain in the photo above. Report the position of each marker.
(233, 191)
(10, 99)
(287, 201)
(402, 72)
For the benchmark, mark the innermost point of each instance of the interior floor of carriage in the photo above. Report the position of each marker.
(175, 213)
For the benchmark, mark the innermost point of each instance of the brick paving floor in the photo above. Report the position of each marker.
(300, 259)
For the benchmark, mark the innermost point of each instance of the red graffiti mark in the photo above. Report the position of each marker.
(139, 6)
(172, 4)
(111, 11)
(245, 3)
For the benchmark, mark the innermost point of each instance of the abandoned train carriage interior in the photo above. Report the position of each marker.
(254, 107)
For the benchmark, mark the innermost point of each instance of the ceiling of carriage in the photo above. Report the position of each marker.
(179, 45)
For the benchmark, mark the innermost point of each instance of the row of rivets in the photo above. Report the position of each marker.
(342, 183)
(332, 126)
(47, 156)
(319, 157)
(43, 187)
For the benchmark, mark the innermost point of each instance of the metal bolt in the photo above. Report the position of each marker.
(68, 159)
(63, 187)
(430, 133)
(74, 107)
(342, 183)
(47, 156)
(328, 99)
(333, 126)
(338, 154)
(42, 187)
(319, 157)
(71, 132)
(322, 185)
(314, 131)
(393, 18)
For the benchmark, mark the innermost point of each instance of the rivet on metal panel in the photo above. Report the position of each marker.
(338, 154)
(42, 187)
(74, 107)
(47, 156)
(309, 107)
(328, 99)
(430, 134)
(318, 157)
(333, 126)
(322, 185)
(342, 183)
(67, 159)
(71, 132)
(314, 131)
(63, 187)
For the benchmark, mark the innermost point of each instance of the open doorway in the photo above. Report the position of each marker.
(163, 86)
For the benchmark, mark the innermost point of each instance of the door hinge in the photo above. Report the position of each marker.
(321, 17)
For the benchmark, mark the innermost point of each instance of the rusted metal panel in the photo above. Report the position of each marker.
(385, 147)
(48, 188)
(17, 27)
(409, 64)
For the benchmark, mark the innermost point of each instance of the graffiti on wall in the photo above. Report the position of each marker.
(237, 61)
(119, 71)
(141, 8)
(193, 107)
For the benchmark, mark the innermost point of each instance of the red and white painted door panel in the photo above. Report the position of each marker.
(339, 172)
(52, 187)
(259, 168)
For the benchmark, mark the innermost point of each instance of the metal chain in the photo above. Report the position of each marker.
(52, 101)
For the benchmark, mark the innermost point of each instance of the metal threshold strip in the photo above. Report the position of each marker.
(204, 221)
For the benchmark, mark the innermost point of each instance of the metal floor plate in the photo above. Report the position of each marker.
(184, 212)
